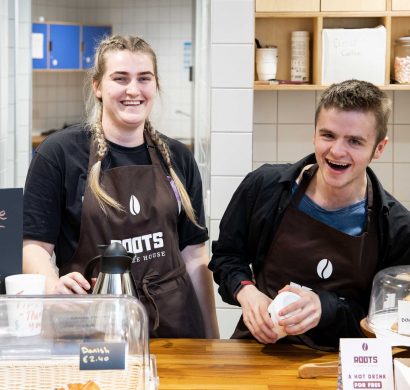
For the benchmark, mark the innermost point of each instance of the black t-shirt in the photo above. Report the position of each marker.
(57, 178)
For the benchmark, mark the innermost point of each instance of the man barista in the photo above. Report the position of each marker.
(320, 228)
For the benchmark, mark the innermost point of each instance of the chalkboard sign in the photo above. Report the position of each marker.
(102, 356)
(11, 233)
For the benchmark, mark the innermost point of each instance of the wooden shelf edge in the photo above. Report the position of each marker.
(332, 14)
(329, 14)
(315, 87)
(312, 14)
(288, 87)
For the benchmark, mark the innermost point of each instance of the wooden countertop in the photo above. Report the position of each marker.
(235, 364)
(37, 140)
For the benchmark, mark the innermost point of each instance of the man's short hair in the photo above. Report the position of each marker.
(356, 95)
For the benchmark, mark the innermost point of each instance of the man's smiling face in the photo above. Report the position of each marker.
(345, 144)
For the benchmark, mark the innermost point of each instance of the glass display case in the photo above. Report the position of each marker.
(390, 287)
(90, 341)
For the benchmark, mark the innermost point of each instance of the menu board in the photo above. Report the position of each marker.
(11, 233)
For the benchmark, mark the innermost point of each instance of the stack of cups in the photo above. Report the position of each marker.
(266, 63)
(299, 70)
(25, 315)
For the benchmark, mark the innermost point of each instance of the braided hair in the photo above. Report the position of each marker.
(94, 108)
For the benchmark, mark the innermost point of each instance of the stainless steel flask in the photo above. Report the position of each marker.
(115, 275)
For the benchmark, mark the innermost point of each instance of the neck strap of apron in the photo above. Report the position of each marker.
(152, 151)
(307, 176)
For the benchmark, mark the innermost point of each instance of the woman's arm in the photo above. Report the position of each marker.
(37, 260)
(196, 260)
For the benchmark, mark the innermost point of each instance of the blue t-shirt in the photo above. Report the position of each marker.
(350, 220)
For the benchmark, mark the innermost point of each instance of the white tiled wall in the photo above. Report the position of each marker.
(232, 69)
(230, 117)
(166, 25)
(15, 95)
(57, 99)
(4, 98)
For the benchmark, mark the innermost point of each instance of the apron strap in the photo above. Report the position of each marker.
(308, 175)
(151, 280)
(305, 180)
(152, 151)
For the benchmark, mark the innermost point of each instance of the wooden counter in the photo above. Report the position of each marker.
(235, 364)
(37, 140)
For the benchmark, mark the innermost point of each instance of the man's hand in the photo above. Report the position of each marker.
(255, 314)
(308, 311)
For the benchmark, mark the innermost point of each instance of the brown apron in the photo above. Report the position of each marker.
(148, 228)
(315, 255)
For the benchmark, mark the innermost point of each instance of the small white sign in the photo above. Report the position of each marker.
(37, 48)
(187, 54)
(366, 364)
(403, 309)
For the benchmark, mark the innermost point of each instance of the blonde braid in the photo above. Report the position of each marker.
(94, 176)
(165, 153)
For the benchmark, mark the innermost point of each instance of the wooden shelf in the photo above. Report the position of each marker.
(316, 87)
(274, 28)
(333, 14)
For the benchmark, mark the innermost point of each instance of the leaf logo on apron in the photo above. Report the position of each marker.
(134, 205)
(324, 269)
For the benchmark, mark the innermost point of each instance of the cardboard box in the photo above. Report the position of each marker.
(354, 53)
(287, 6)
(353, 5)
(401, 373)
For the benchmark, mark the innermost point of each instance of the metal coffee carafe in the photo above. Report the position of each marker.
(115, 275)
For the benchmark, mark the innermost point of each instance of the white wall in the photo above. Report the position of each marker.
(15, 95)
(4, 90)
(232, 69)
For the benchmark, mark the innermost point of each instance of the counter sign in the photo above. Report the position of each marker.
(366, 364)
(103, 356)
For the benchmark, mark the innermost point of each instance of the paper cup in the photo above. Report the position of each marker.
(25, 315)
(266, 63)
(282, 300)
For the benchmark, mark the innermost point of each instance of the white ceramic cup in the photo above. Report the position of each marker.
(266, 63)
(281, 300)
(25, 315)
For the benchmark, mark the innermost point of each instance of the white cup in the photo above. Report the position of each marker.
(281, 300)
(266, 63)
(25, 315)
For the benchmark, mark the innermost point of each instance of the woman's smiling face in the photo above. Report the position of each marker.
(345, 144)
(127, 90)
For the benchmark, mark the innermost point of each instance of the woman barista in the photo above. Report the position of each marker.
(83, 185)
